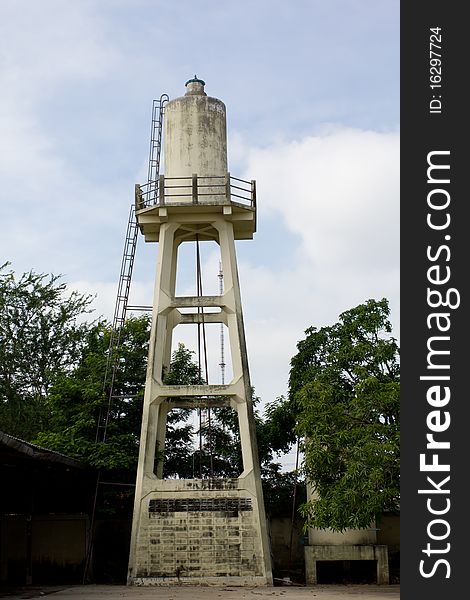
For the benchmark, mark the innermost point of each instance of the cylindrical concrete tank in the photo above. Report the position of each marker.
(195, 142)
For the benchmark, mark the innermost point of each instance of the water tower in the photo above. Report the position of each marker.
(199, 530)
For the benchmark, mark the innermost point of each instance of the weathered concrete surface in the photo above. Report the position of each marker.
(313, 554)
(186, 530)
(319, 592)
(195, 141)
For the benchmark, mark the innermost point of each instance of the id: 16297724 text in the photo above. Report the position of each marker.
(435, 69)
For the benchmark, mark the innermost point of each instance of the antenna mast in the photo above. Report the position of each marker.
(222, 350)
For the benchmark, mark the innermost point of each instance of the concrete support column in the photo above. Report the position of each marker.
(163, 410)
(165, 282)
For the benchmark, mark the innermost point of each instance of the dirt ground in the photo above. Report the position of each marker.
(122, 592)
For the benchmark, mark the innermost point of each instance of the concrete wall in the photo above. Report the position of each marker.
(287, 562)
(13, 549)
(389, 530)
(386, 535)
(58, 548)
(345, 553)
(346, 538)
(42, 549)
(64, 548)
(380, 544)
(111, 550)
(389, 534)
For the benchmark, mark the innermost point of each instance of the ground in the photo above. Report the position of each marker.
(111, 592)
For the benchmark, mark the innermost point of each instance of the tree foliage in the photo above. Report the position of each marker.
(41, 337)
(344, 394)
(79, 398)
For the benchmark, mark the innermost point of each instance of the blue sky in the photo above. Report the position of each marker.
(312, 96)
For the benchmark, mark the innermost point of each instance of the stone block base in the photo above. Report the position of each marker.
(203, 581)
(199, 532)
(313, 554)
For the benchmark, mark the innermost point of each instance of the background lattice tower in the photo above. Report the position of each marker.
(198, 530)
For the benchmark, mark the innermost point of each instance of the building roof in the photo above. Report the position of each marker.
(37, 452)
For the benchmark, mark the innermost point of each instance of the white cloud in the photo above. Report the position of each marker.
(50, 53)
(53, 43)
(339, 193)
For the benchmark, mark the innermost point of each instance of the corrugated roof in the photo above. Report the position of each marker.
(37, 452)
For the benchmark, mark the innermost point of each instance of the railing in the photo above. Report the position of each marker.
(196, 190)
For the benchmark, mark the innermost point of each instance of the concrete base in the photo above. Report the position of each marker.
(313, 554)
(200, 532)
(203, 581)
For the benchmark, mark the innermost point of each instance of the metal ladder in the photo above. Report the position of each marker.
(127, 264)
(158, 109)
(120, 310)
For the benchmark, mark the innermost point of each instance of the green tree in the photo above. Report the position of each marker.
(42, 333)
(344, 395)
(80, 401)
(78, 398)
(178, 455)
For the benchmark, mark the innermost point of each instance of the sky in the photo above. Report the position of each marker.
(312, 96)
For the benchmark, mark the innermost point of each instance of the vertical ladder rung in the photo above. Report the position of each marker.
(127, 262)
